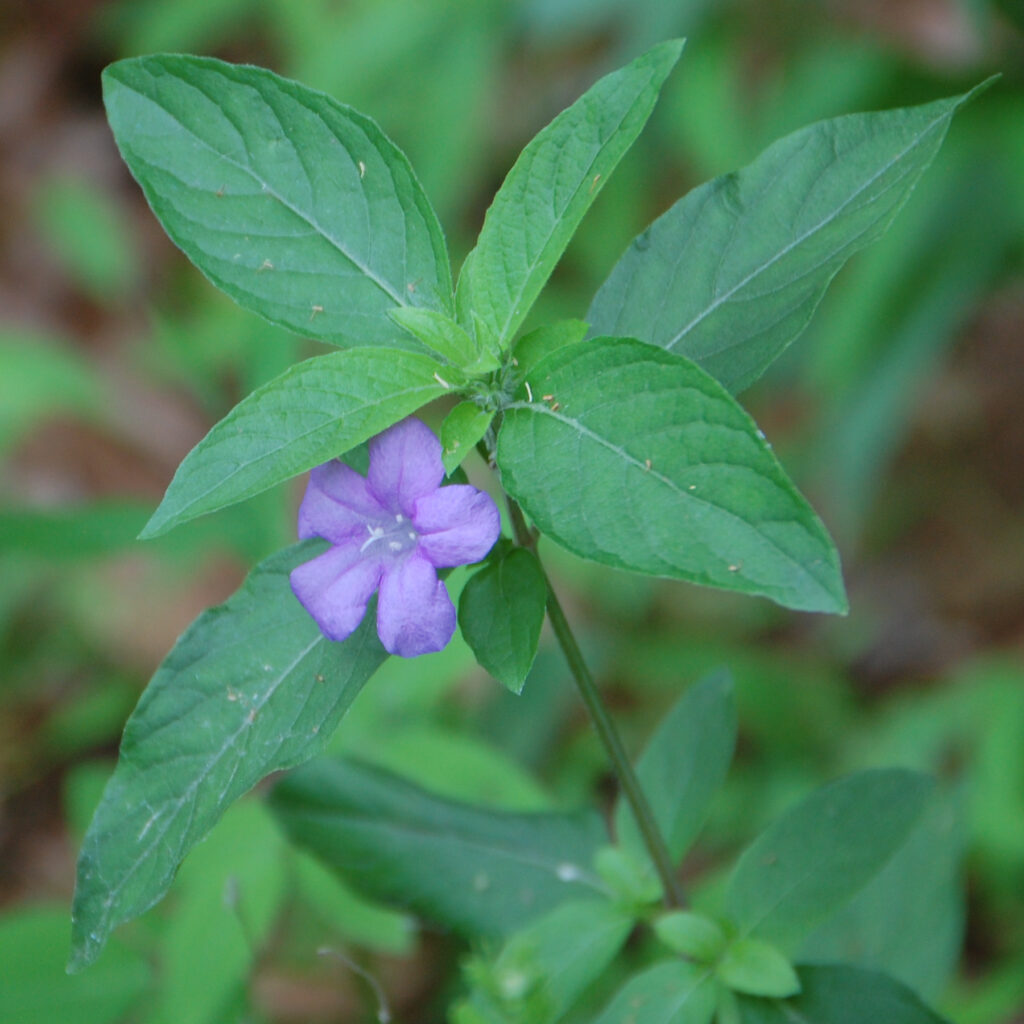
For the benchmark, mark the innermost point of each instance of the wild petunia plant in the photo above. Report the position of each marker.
(618, 437)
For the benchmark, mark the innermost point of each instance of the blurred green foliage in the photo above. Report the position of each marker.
(889, 409)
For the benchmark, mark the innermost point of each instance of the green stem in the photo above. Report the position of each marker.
(628, 782)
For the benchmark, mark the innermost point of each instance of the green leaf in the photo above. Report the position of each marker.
(477, 871)
(731, 274)
(758, 969)
(684, 765)
(501, 611)
(441, 334)
(544, 968)
(226, 899)
(355, 920)
(692, 935)
(531, 348)
(841, 995)
(628, 880)
(35, 989)
(810, 862)
(250, 688)
(670, 992)
(635, 457)
(298, 207)
(90, 234)
(42, 378)
(461, 429)
(546, 194)
(909, 920)
(315, 411)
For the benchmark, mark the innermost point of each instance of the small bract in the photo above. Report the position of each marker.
(390, 531)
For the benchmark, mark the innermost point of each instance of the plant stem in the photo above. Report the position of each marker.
(628, 782)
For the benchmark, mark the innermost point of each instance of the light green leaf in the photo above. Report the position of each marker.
(544, 968)
(250, 688)
(635, 457)
(441, 334)
(684, 764)
(355, 920)
(692, 935)
(758, 969)
(315, 411)
(90, 234)
(43, 378)
(531, 348)
(841, 995)
(546, 194)
(298, 207)
(670, 992)
(810, 862)
(226, 899)
(501, 611)
(461, 429)
(628, 879)
(731, 274)
(35, 989)
(477, 871)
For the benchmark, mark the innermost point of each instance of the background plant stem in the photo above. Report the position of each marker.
(621, 765)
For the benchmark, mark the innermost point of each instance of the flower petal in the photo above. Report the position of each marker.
(415, 615)
(337, 504)
(335, 587)
(405, 464)
(457, 525)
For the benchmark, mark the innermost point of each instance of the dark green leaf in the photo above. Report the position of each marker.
(300, 208)
(250, 688)
(810, 862)
(313, 412)
(731, 274)
(841, 995)
(547, 192)
(909, 920)
(501, 611)
(477, 871)
(670, 992)
(684, 764)
(635, 457)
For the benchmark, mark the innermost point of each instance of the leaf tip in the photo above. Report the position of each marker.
(155, 527)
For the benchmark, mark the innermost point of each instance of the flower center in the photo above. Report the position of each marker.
(396, 535)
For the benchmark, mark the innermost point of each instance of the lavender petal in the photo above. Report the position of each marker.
(457, 525)
(335, 587)
(337, 504)
(415, 615)
(405, 464)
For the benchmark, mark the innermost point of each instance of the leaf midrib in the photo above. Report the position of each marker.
(176, 806)
(544, 410)
(267, 189)
(560, 217)
(785, 250)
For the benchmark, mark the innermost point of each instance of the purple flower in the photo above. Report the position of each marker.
(390, 531)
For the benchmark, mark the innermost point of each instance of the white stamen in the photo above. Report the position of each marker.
(376, 532)
(395, 545)
(399, 518)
